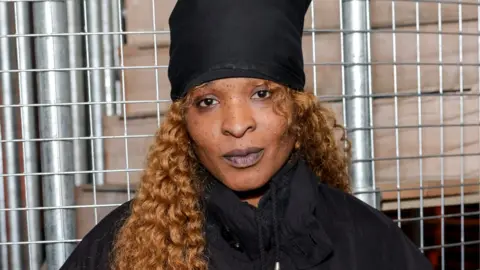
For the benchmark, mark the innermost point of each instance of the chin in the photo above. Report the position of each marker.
(248, 179)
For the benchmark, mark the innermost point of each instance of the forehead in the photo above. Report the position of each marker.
(229, 83)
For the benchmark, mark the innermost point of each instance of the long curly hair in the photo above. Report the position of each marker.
(165, 229)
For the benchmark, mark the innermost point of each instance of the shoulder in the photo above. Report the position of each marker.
(369, 230)
(348, 208)
(93, 251)
(353, 215)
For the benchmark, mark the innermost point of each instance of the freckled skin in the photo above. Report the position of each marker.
(237, 113)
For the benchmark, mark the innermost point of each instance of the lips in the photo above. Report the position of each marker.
(243, 158)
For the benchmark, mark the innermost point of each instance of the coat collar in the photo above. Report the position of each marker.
(302, 236)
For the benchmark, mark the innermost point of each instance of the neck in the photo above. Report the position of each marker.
(252, 201)
(253, 197)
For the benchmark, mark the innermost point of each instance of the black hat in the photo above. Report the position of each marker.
(214, 39)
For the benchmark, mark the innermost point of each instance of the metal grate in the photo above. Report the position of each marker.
(84, 87)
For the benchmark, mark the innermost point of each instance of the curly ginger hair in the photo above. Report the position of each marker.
(165, 230)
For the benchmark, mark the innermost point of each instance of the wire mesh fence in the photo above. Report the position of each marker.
(84, 87)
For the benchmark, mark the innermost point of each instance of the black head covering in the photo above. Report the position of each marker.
(214, 39)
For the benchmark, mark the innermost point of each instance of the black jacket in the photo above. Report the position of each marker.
(299, 223)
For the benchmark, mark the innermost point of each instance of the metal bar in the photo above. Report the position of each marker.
(122, 80)
(357, 109)
(9, 96)
(342, 59)
(157, 92)
(108, 51)
(342, 63)
(77, 87)
(370, 103)
(29, 128)
(462, 160)
(55, 121)
(116, 14)
(3, 215)
(396, 120)
(420, 130)
(426, 1)
(314, 48)
(96, 90)
(449, 94)
(478, 99)
(117, 42)
(442, 138)
(118, 96)
(306, 31)
(78, 206)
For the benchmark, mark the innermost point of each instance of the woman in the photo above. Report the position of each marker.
(245, 171)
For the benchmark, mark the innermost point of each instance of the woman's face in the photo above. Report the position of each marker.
(236, 133)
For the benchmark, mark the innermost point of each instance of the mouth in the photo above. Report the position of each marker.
(244, 158)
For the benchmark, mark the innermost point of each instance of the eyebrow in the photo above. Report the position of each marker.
(212, 85)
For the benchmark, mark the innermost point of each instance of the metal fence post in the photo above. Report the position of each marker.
(117, 42)
(357, 101)
(53, 78)
(108, 60)
(10, 97)
(96, 84)
(77, 87)
(3, 216)
(29, 132)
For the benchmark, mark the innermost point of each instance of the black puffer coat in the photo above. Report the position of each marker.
(299, 224)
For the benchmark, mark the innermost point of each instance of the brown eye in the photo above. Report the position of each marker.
(262, 94)
(207, 102)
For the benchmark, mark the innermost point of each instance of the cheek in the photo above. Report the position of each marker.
(276, 133)
(275, 127)
(202, 131)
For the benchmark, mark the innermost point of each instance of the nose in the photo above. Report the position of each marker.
(238, 119)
